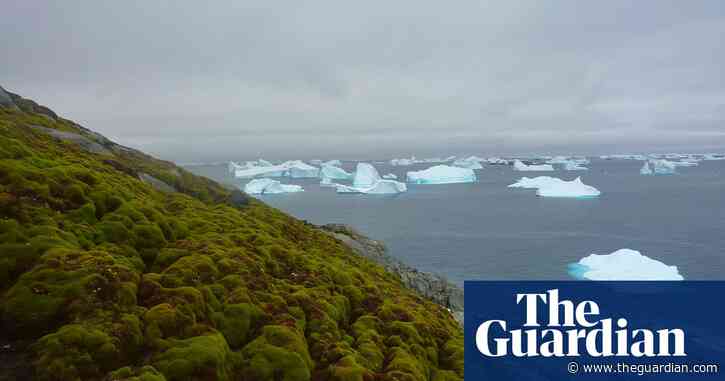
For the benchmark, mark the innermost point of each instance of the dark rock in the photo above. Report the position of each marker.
(157, 184)
(430, 286)
(238, 199)
(5, 99)
(85, 143)
(30, 106)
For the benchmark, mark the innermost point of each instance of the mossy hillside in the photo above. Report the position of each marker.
(113, 279)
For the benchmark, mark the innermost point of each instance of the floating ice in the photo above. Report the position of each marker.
(442, 174)
(662, 167)
(269, 186)
(645, 170)
(334, 173)
(623, 264)
(390, 176)
(299, 169)
(623, 157)
(574, 188)
(403, 162)
(334, 163)
(520, 166)
(413, 160)
(574, 166)
(365, 176)
(472, 162)
(269, 171)
(547, 186)
(497, 161)
(712, 157)
(380, 187)
(535, 182)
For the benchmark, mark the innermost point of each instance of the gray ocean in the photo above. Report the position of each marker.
(486, 231)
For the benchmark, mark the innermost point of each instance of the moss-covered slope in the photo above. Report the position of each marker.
(105, 276)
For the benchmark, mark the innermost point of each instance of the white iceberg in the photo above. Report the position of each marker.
(441, 174)
(390, 176)
(268, 171)
(645, 170)
(520, 166)
(623, 265)
(472, 162)
(535, 182)
(685, 163)
(366, 176)
(334, 163)
(403, 162)
(547, 186)
(497, 161)
(299, 169)
(269, 186)
(380, 187)
(713, 157)
(663, 167)
(574, 166)
(574, 189)
(334, 173)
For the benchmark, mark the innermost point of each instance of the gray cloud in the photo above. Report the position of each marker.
(193, 81)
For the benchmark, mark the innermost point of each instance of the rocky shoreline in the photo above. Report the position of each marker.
(430, 286)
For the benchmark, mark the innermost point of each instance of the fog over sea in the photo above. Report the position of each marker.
(486, 231)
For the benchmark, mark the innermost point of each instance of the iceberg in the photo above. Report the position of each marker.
(380, 187)
(623, 264)
(520, 166)
(497, 161)
(403, 162)
(547, 186)
(470, 163)
(442, 174)
(390, 176)
(574, 189)
(366, 176)
(269, 186)
(334, 173)
(535, 182)
(334, 163)
(269, 171)
(713, 157)
(645, 170)
(574, 166)
(298, 169)
(662, 167)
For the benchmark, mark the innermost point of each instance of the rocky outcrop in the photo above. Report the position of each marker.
(156, 183)
(84, 142)
(5, 100)
(430, 286)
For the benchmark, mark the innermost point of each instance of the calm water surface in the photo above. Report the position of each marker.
(487, 231)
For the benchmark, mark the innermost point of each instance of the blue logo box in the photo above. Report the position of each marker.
(585, 330)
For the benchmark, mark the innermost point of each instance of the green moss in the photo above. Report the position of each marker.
(127, 373)
(197, 358)
(76, 352)
(279, 353)
(237, 323)
(144, 285)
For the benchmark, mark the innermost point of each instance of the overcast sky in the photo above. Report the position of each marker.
(192, 81)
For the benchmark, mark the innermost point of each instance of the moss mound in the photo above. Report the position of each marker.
(109, 278)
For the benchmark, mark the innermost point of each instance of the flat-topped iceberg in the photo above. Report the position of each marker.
(299, 169)
(520, 166)
(663, 167)
(547, 186)
(334, 173)
(390, 176)
(267, 171)
(623, 264)
(574, 166)
(441, 174)
(497, 161)
(574, 189)
(535, 182)
(269, 186)
(380, 187)
(472, 162)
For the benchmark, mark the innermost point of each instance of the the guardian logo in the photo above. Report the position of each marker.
(572, 330)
